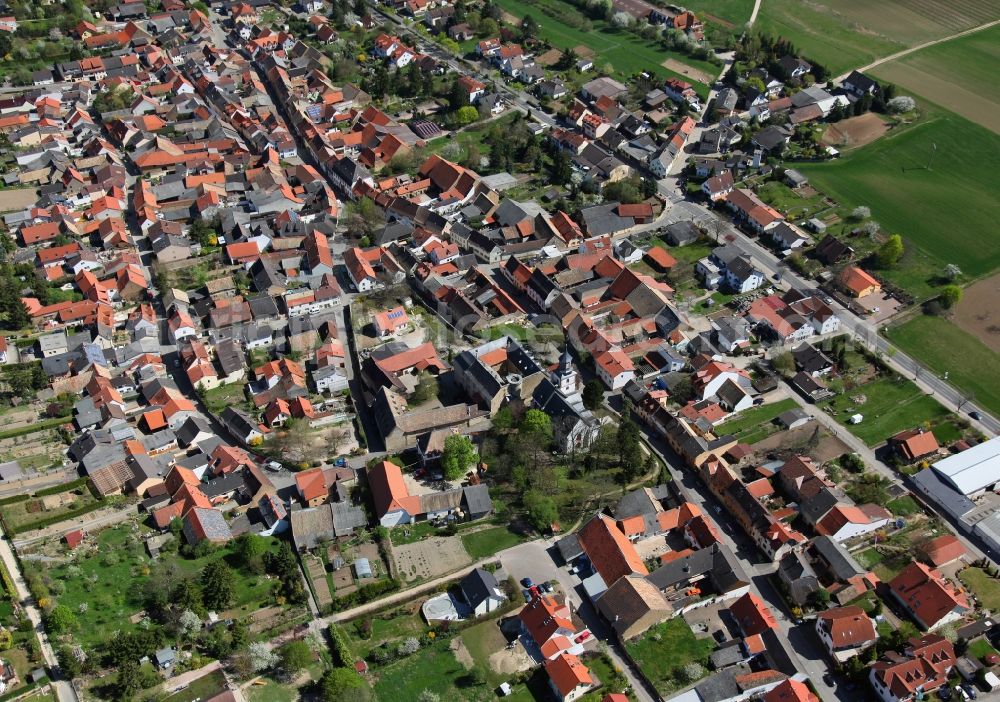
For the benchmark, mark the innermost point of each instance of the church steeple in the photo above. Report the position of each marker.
(564, 378)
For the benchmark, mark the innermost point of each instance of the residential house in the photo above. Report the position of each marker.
(858, 283)
(569, 678)
(927, 597)
(482, 592)
(845, 632)
(922, 668)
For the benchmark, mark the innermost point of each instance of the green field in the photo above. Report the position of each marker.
(973, 91)
(948, 212)
(943, 347)
(890, 407)
(627, 53)
(667, 647)
(112, 582)
(484, 543)
(846, 34)
(735, 12)
(754, 424)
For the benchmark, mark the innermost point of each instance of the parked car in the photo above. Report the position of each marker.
(945, 693)
(970, 690)
(975, 415)
(719, 635)
(526, 582)
(526, 594)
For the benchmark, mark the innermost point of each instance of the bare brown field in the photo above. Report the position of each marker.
(686, 70)
(855, 131)
(978, 312)
(981, 108)
(17, 199)
(549, 58)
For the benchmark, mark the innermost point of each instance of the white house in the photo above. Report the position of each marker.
(845, 632)
(614, 368)
(482, 592)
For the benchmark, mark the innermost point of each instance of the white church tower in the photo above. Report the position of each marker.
(564, 377)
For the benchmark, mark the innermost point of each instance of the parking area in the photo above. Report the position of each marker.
(878, 307)
(533, 560)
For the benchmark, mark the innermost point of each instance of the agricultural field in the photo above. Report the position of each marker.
(973, 91)
(889, 407)
(945, 348)
(846, 34)
(945, 213)
(732, 14)
(627, 53)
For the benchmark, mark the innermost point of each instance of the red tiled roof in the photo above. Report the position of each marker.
(944, 549)
(389, 490)
(752, 615)
(848, 626)
(609, 550)
(925, 592)
(567, 673)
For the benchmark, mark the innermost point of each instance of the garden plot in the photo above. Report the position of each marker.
(430, 558)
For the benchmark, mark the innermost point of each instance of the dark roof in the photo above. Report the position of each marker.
(840, 563)
(477, 499)
(569, 548)
(478, 586)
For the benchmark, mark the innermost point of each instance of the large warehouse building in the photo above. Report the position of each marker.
(973, 471)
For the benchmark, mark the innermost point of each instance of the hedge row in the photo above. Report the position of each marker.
(343, 657)
(32, 428)
(14, 499)
(54, 519)
(65, 487)
(364, 594)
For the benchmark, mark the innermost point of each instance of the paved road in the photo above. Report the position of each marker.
(64, 690)
(918, 47)
(861, 330)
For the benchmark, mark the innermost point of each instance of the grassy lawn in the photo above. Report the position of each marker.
(943, 347)
(112, 581)
(987, 589)
(486, 542)
(218, 399)
(980, 648)
(432, 668)
(627, 53)
(945, 215)
(483, 640)
(676, 646)
(903, 506)
(201, 689)
(844, 34)
(271, 691)
(891, 406)
(756, 423)
(868, 558)
(473, 136)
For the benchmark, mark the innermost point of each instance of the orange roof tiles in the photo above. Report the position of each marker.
(609, 550)
(752, 615)
(389, 490)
